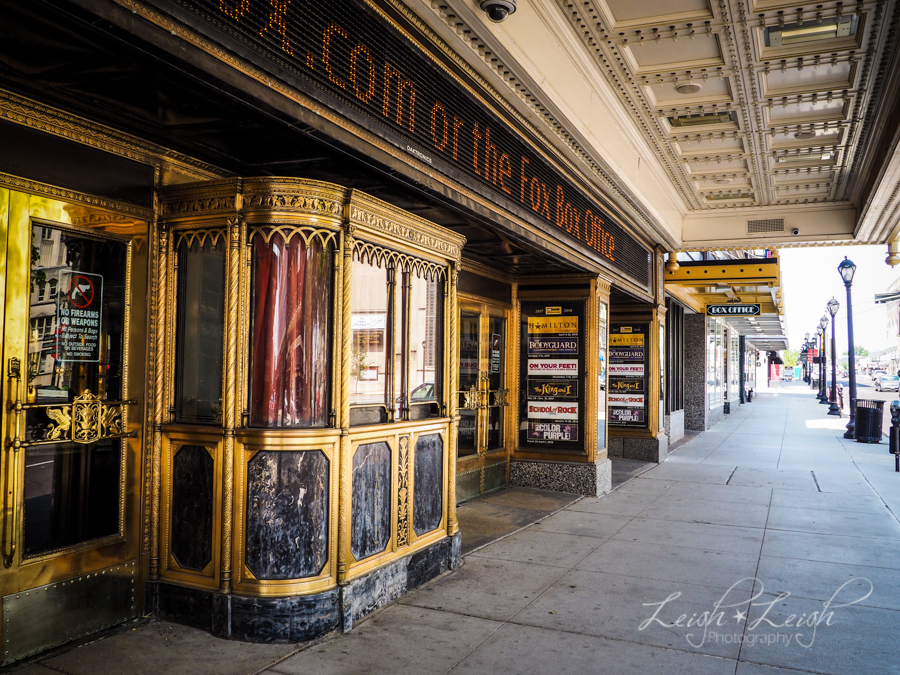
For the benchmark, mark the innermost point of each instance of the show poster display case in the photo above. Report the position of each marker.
(552, 393)
(628, 375)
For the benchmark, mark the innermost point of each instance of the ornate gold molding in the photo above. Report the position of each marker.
(381, 257)
(53, 121)
(55, 192)
(376, 216)
(403, 492)
(287, 232)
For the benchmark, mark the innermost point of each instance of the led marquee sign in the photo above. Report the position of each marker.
(361, 57)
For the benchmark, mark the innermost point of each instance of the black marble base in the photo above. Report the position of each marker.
(304, 617)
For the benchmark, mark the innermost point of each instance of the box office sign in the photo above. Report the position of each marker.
(732, 310)
(551, 367)
(353, 56)
(627, 387)
(79, 315)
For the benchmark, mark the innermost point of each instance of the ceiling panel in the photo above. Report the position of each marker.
(798, 105)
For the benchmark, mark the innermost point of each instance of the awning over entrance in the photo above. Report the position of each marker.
(744, 291)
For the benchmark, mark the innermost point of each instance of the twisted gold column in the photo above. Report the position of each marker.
(344, 283)
(230, 376)
(159, 411)
(452, 385)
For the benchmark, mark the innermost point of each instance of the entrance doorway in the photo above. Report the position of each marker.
(74, 309)
(483, 456)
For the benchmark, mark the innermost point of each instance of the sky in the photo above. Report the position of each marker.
(810, 279)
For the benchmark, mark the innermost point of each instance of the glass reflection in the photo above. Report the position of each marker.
(370, 339)
(469, 334)
(76, 340)
(425, 338)
(199, 339)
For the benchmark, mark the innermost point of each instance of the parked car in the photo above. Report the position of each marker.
(788, 375)
(877, 374)
(887, 383)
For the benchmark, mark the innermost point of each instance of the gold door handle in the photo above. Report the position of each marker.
(11, 493)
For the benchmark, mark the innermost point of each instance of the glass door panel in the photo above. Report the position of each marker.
(73, 353)
(483, 398)
(469, 362)
(496, 381)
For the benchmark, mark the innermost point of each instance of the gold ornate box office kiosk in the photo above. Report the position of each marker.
(303, 409)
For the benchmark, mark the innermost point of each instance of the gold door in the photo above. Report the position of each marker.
(74, 288)
(483, 464)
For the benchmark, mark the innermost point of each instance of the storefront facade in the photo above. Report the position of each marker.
(290, 294)
(731, 309)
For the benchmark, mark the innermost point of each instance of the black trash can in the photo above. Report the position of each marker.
(869, 417)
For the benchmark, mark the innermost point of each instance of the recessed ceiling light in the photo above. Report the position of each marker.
(804, 135)
(722, 181)
(703, 119)
(805, 157)
(688, 88)
(809, 31)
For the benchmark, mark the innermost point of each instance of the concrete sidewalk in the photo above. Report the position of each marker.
(766, 546)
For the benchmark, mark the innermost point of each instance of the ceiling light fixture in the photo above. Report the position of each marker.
(688, 88)
(796, 33)
(703, 119)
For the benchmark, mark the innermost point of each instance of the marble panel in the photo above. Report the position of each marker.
(192, 507)
(370, 524)
(428, 483)
(287, 514)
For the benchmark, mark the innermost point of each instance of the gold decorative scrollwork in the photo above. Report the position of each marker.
(403, 493)
(501, 398)
(86, 420)
(470, 398)
(63, 423)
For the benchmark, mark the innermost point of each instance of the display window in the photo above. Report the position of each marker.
(397, 337)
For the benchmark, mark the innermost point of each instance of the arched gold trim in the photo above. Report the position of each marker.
(287, 232)
(381, 256)
(213, 235)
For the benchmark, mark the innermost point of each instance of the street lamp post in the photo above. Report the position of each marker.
(823, 397)
(808, 363)
(833, 307)
(847, 269)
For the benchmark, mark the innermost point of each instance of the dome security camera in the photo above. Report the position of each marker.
(498, 10)
(795, 231)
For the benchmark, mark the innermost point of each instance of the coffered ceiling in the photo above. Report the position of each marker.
(749, 103)
(761, 107)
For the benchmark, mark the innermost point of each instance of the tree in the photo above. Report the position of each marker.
(359, 360)
(790, 357)
(859, 351)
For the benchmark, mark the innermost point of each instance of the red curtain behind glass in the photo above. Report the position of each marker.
(291, 348)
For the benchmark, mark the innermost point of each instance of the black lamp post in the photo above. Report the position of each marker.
(833, 307)
(847, 270)
(808, 362)
(823, 397)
